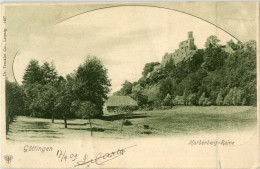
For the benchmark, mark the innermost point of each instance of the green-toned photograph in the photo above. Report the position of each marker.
(105, 78)
(130, 85)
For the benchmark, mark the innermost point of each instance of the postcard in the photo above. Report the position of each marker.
(130, 85)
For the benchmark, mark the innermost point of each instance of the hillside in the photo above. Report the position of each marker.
(215, 75)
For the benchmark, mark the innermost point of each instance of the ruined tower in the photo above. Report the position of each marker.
(191, 45)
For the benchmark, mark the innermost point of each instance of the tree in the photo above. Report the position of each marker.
(250, 46)
(185, 96)
(44, 97)
(123, 111)
(211, 41)
(92, 83)
(88, 110)
(196, 61)
(156, 76)
(232, 44)
(240, 71)
(14, 102)
(137, 94)
(149, 67)
(219, 100)
(181, 71)
(234, 97)
(166, 86)
(214, 58)
(170, 67)
(204, 101)
(228, 98)
(64, 101)
(40, 85)
(50, 75)
(167, 100)
(126, 89)
(226, 77)
(33, 73)
(191, 99)
(178, 100)
(74, 107)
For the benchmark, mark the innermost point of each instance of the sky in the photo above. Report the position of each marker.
(123, 38)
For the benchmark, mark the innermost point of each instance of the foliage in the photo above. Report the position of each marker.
(149, 67)
(167, 86)
(33, 73)
(141, 99)
(14, 99)
(233, 45)
(40, 84)
(127, 123)
(191, 99)
(178, 100)
(126, 89)
(219, 100)
(14, 102)
(92, 83)
(211, 42)
(43, 101)
(234, 97)
(214, 58)
(63, 102)
(154, 96)
(48, 95)
(204, 101)
(211, 76)
(167, 100)
(50, 75)
(123, 112)
(87, 110)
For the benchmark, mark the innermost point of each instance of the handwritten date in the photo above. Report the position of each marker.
(99, 158)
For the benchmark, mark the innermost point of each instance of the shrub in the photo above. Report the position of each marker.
(191, 99)
(146, 108)
(178, 100)
(234, 97)
(127, 123)
(219, 100)
(167, 100)
(146, 126)
(147, 132)
(165, 107)
(204, 101)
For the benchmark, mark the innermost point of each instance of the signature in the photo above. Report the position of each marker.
(101, 159)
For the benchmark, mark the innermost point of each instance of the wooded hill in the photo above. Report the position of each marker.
(212, 76)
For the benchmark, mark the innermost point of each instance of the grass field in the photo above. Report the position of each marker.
(183, 120)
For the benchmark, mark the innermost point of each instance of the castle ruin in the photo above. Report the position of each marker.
(186, 49)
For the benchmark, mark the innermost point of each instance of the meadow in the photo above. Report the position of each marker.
(180, 120)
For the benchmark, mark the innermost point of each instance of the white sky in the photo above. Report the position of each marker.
(124, 38)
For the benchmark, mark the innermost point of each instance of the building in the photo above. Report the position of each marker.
(186, 49)
(114, 102)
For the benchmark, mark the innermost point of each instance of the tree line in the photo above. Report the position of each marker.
(216, 75)
(45, 94)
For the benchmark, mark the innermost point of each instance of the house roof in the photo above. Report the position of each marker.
(120, 101)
